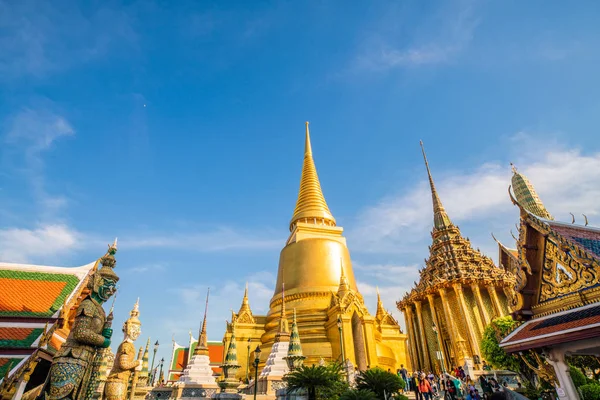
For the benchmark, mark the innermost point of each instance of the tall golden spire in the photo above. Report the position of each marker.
(202, 345)
(527, 196)
(311, 205)
(440, 218)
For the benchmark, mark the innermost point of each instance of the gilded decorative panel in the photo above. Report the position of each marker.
(456, 313)
(487, 302)
(563, 274)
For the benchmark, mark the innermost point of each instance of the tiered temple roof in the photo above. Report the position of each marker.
(451, 256)
(36, 301)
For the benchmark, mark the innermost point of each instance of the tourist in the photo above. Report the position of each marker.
(404, 377)
(485, 386)
(451, 389)
(425, 387)
(415, 385)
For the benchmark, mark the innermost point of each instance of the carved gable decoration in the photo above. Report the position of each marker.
(563, 274)
(245, 317)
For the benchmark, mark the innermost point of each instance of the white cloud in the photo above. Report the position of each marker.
(37, 130)
(389, 296)
(565, 179)
(45, 37)
(224, 297)
(25, 245)
(31, 133)
(450, 32)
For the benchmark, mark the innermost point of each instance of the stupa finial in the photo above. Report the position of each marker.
(311, 206)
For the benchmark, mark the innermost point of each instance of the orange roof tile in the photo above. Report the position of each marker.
(34, 294)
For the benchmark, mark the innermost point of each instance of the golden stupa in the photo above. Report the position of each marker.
(316, 269)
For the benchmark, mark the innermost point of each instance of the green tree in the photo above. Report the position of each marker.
(495, 355)
(586, 363)
(315, 379)
(491, 351)
(380, 382)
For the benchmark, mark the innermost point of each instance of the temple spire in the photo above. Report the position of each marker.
(440, 218)
(202, 346)
(311, 206)
(283, 322)
(380, 313)
(527, 196)
(344, 287)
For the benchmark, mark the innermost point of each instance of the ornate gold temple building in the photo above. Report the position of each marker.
(460, 290)
(557, 289)
(316, 269)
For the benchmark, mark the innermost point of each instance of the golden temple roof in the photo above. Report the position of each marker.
(451, 256)
(311, 205)
(527, 196)
(440, 217)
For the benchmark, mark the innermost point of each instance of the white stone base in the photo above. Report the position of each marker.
(275, 368)
(198, 372)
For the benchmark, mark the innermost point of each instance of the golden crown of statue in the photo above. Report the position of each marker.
(109, 262)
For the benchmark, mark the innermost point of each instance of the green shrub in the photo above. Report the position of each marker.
(578, 378)
(358, 394)
(590, 391)
(379, 382)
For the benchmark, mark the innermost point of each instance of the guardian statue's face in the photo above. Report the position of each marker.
(107, 289)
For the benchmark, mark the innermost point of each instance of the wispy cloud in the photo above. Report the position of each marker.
(451, 31)
(32, 132)
(218, 239)
(25, 245)
(565, 179)
(224, 297)
(44, 37)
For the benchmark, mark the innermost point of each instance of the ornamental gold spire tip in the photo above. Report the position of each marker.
(440, 218)
(307, 146)
(311, 206)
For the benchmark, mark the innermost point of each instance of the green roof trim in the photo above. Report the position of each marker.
(6, 364)
(23, 343)
(71, 283)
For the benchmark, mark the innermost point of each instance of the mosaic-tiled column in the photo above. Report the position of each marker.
(470, 325)
(413, 361)
(440, 340)
(426, 354)
(480, 305)
(495, 300)
(414, 344)
(455, 337)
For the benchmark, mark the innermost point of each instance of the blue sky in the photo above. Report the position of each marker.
(179, 129)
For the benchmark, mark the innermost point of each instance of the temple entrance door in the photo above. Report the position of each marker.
(359, 343)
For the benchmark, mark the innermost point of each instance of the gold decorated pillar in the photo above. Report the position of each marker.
(370, 345)
(457, 340)
(411, 337)
(480, 305)
(495, 300)
(440, 339)
(426, 354)
(469, 324)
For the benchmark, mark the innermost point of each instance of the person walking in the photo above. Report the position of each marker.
(415, 385)
(404, 376)
(425, 387)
